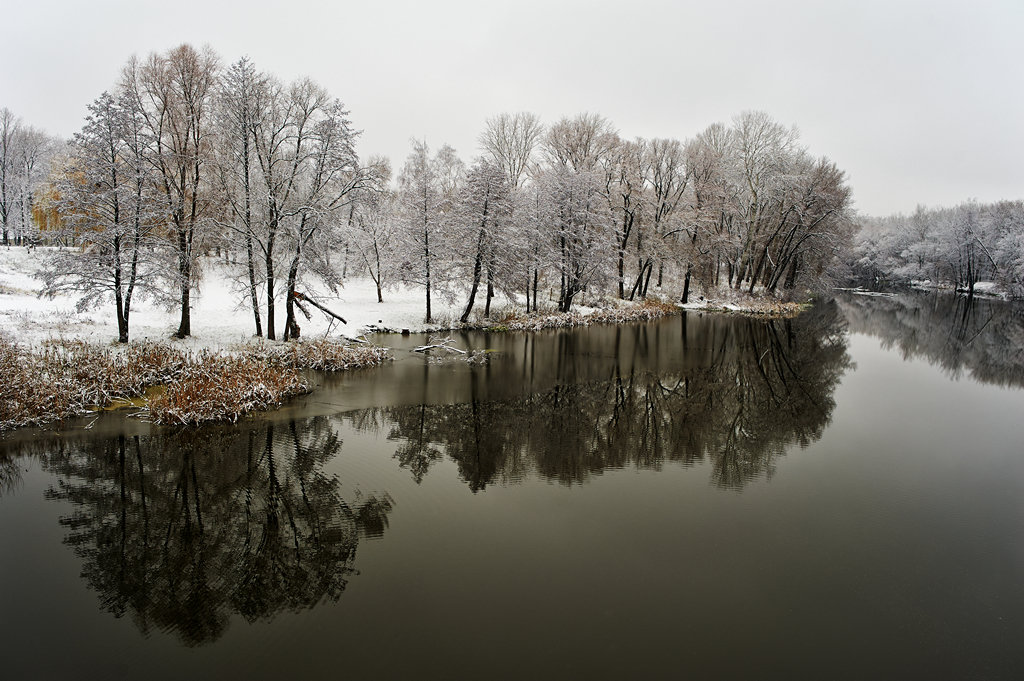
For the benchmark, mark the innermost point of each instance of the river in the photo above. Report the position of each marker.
(839, 496)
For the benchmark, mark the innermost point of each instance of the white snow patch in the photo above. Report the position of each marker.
(221, 316)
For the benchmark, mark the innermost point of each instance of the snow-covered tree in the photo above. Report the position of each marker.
(427, 198)
(10, 132)
(511, 141)
(330, 183)
(581, 230)
(580, 143)
(236, 166)
(25, 155)
(485, 207)
(173, 93)
(108, 197)
(373, 231)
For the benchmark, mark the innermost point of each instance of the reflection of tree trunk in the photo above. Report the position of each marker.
(272, 486)
(195, 492)
(142, 488)
(122, 474)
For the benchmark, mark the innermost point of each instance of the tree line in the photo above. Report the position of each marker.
(957, 247)
(25, 153)
(185, 156)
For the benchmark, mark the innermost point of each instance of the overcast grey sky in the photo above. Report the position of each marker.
(920, 102)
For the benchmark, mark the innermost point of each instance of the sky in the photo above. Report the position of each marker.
(920, 102)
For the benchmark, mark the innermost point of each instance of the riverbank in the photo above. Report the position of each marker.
(160, 383)
(222, 319)
(58, 359)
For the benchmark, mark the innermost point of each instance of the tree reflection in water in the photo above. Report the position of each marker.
(985, 337)
(747, 390)
(184, 529)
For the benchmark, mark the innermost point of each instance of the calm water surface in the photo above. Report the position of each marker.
(837, 496)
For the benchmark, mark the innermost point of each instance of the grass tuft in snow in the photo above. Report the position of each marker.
(67, 378)
(320, 354)
(224, 388)
(646, 310)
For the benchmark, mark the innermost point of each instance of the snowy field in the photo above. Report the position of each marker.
(222, 319)
(220, 315)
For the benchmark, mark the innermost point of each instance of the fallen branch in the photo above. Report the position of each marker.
(320, 307)
(445, 344)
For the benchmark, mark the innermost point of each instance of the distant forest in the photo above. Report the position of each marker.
(956, 247)
(185, 155)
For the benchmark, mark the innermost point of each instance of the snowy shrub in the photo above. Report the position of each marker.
(220, 388)
(68, 378)
(64, 379)
(322, 355)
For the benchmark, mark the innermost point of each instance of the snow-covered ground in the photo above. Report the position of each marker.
(222, 319)
(989, 289)
(220, 315)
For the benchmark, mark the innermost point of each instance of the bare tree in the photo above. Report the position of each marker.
(173, 92)
(10, 129)
(236, 117)
(108, 198)
(580, 143)
(511, 140)
(427, 197)
(581, 230)
(484, 206)
(373, 228)
(331, 180)
(669, 179)
(627, 176)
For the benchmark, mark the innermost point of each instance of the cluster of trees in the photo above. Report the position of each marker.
(574, 207)
(25, 155)
(957, 246)
(184, 156)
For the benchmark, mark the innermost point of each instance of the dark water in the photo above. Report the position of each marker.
(836, 496)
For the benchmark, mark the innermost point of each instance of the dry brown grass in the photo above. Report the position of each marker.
(64, 379)
(646, 310)
(221, 388)
(321, 355)
(68, 378)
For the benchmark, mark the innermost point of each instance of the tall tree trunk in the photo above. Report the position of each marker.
(429, 316)
(477, 267)
(247, 217)
(269, 263)
(291, 327)
(377, 276)
(527, 290)
(122, 324)
(536, 279)
(185, 281)
(253, 296)
(622, 274)
(647, 281)
(490, 293)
